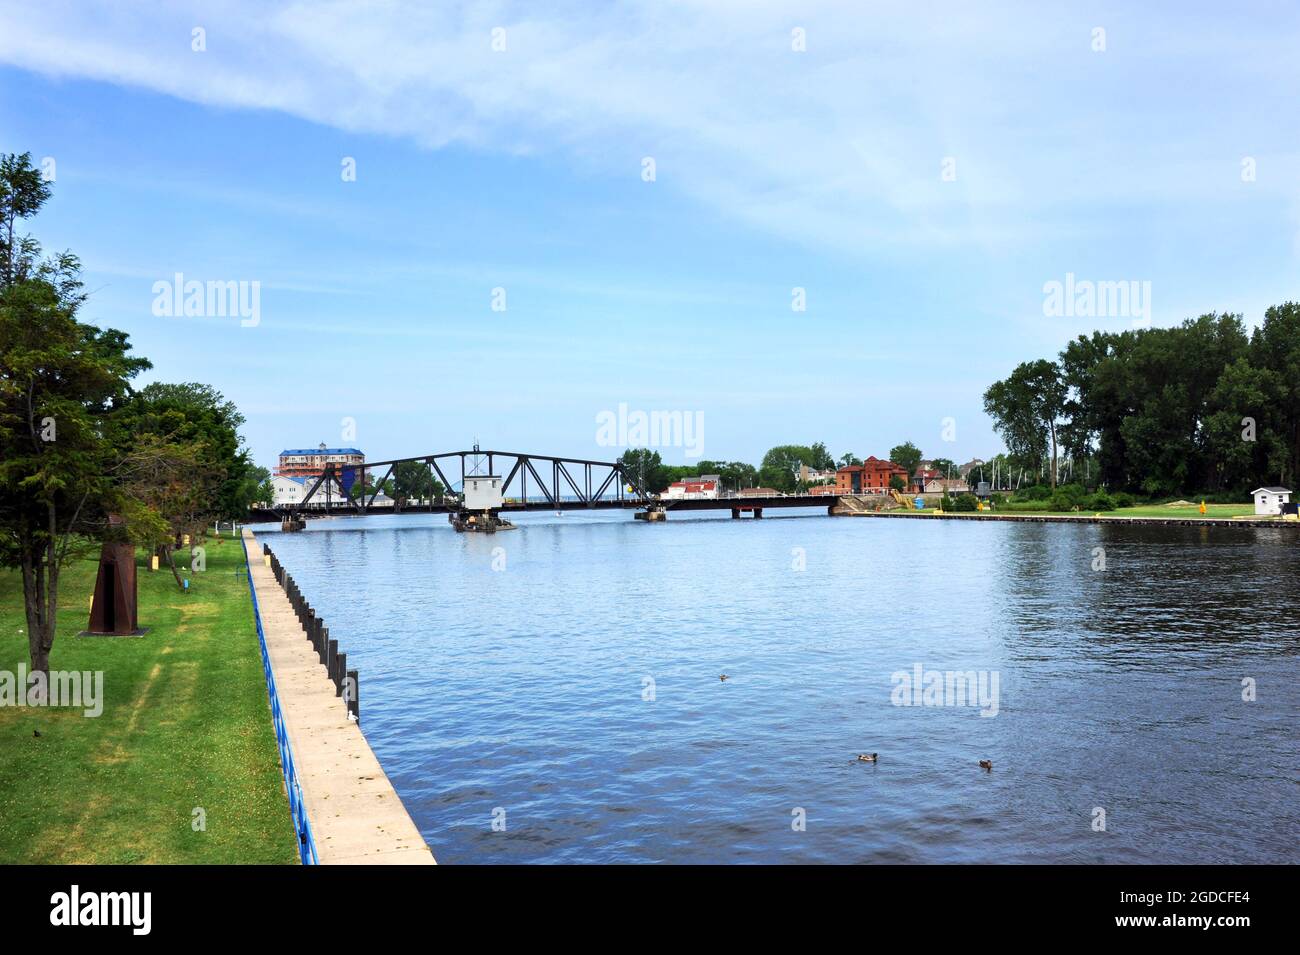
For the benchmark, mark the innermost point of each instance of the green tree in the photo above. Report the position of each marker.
(733, 474)
(165, 489)
(645, 469)
(819, 458)
(197, 413)
(415, 480)
(1172, 373)
(265, 496)
(1026, 409)
(1242, 442)
(60, 381)
(780, 467)
(23, 190)
(848, 459)
(1275, 347)
(1098, 375)
(907, 456)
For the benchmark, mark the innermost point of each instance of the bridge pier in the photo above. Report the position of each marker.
(654, 514)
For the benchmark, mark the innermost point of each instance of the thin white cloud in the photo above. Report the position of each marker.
(840, 145)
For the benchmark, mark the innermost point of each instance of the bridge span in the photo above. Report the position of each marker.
(558, 484)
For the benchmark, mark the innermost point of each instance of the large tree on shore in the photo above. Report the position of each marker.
(167, 486)
(23, 190)
(645, 469)
(1275, 347)
(1026, 409)
(733, 474)
(907, 456)
(414, 480)
(780, 467)
(191, 413)
(1195, 407)
(60, 383)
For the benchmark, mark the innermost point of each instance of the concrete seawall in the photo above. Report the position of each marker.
(929, 515)
(356, 815)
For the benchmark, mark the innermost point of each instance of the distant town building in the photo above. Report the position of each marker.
(924, 474)
(700, 488)
(931, 481)
(965, 469)
(1269, 500)
(759, 492)
(872, 476)
(292, 490)
(310, 462)
(947, 486)
(813, 476)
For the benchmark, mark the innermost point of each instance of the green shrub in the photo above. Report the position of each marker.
(1124, 499)
(1027, 507)
(1035, 492)
(1069, 497)
(1101, 501)
(965, 502)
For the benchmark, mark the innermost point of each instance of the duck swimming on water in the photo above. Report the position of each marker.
(986, 764)
(867, 757)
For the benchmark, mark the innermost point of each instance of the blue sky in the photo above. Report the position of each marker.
(522, 169)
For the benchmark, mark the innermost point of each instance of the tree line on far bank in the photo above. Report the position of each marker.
(410, 481)
(1200, 407)
(78, 443)
(779, 470)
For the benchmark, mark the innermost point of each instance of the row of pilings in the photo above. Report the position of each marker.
(346, 682)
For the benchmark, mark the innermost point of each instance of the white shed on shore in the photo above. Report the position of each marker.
(1269, 500)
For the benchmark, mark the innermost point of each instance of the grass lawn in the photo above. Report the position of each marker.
(1220, 511)
(1211, 510)
(185, 725)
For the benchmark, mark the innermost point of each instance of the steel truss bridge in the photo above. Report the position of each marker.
(558, 484)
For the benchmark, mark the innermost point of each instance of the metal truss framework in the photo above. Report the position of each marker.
(559, 488)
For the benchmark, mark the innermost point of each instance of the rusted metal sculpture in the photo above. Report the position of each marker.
(113, 606)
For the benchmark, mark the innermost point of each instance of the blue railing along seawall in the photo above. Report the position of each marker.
(301, 823)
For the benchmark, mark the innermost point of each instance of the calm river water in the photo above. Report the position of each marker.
(572, 695)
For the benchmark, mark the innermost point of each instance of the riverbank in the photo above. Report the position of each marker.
(1177, 509)
(1104, 517)
(580, 718)
(354, 813)
(181, 766)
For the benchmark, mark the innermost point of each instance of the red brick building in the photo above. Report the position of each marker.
(870, 477)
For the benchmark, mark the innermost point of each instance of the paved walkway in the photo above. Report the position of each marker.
(356, 815)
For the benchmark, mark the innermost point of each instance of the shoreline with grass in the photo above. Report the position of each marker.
(1073, 500)
(182, 765)
(1187, 515)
